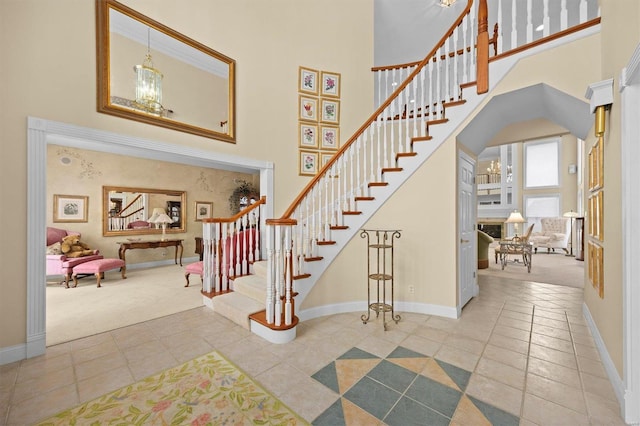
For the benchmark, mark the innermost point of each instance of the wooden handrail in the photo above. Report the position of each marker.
(377, 112)
(246, 210)
(547, 39)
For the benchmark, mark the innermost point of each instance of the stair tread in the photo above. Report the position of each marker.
(253, 286)
(237, 307)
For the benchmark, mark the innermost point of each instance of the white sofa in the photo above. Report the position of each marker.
(554, 234)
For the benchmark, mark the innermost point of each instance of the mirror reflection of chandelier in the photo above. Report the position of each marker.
(446, 3)
(148, 83)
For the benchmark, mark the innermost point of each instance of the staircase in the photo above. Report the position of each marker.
(424, 104)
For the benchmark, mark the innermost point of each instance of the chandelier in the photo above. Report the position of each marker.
(148, 83)
(446, 3)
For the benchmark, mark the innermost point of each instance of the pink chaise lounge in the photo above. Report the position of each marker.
(59, 264)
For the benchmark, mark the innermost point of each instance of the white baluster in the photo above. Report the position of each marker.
(207, 258)
(500, 27)
(546, 19)
(219, 250)
(465, 43)
(564, 16)
(583, 11)
(423, 102)
(432, 99)
(278, 276)
(288, 308)
(529, 21)
(406, 120)
(379, 77)
(372, 150)
(269, 302)
(456, 79)
(514, 26)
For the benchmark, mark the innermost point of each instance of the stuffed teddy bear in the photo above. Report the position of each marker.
(72, 247)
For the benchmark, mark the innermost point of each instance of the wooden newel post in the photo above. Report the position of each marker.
(483, 48)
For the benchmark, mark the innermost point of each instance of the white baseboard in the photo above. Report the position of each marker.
(13, 353)
(607, 362)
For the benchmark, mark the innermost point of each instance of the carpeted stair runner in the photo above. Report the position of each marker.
(248, 296)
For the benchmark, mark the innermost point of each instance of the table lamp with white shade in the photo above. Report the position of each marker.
(516, 218)
(572, 215)
(160, 217)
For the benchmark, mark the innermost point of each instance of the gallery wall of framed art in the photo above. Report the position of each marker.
(318, 118)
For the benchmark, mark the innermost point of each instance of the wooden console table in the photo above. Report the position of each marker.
(147, 244)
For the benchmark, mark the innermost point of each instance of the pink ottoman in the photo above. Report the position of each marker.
(193, 268)
(97, 267)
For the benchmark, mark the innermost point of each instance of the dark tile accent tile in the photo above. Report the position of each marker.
(328, 377)
(495, 415)
(355, 353)
(372, 397)
(434, 395)
(409, 413)
(332, 416)
(392, 375)
(458, 375)
(401, 352)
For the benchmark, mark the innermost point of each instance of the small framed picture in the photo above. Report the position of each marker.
(330, 111)
(308, 136)
(308, 80)
(203, 210)
(329, 137)
(308, 163)
(308, 107)
(330, 84)
(70, 208)
(324, 159)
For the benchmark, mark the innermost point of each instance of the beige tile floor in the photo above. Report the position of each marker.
(527, 345)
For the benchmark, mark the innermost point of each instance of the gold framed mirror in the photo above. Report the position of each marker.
(133, 211)
(150, 73)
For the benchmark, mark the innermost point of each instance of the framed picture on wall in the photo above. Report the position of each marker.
(329, 137)
(308, 80)
(330, 111)
(330, 84)
(70, 208)
(308, 108)
(308, 163)
(308, 135)
(203, 209)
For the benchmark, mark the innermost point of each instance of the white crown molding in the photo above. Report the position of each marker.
(600, 93)
(631, 73)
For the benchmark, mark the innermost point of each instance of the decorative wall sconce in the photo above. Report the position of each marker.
(600, 97)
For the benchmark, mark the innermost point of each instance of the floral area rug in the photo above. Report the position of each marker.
(208, 390)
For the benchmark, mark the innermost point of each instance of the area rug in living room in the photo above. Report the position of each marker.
(204, 391)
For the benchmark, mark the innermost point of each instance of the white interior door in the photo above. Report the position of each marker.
(467, 241)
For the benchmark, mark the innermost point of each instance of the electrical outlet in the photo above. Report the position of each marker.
(412, 289)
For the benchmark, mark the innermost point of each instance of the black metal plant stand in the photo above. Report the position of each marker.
(381, 272)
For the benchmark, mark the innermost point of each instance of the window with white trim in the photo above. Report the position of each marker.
(539, 206)
(541, 164)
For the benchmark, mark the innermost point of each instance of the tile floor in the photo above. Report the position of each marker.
(520, 353)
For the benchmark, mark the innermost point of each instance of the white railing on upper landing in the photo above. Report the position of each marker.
(230, 246)
(513, 24)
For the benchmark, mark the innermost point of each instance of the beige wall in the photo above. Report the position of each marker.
(88, 171)
(49, 67)
(620, 36)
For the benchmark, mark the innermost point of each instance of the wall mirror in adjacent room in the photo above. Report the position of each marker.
(150, 73)
(135, 211)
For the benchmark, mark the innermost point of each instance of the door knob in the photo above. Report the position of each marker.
(463, 241)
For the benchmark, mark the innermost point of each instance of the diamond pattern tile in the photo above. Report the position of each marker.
(405, 388)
